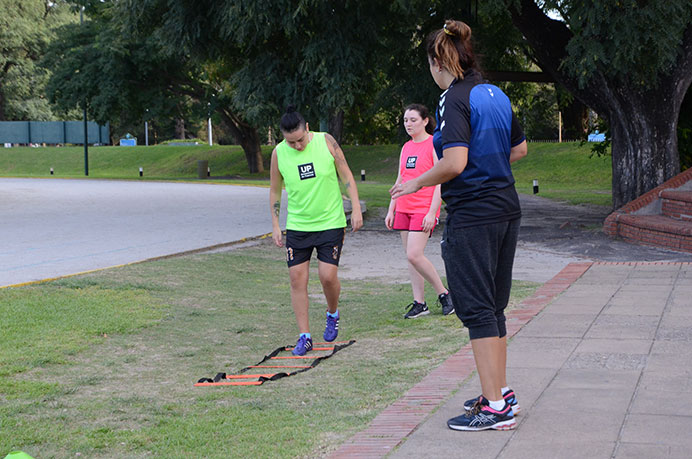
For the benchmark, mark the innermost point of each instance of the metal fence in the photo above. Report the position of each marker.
(52, 132)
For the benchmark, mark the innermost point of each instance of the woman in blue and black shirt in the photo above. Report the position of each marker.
(476, 139)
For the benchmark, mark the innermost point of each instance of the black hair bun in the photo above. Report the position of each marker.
(291, 108)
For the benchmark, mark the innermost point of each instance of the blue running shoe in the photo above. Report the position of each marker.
(482, 417)
(331, 331)
(303, 345)
(508, 396)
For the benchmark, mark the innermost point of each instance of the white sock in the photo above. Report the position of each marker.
(497, 405)
(504, 389)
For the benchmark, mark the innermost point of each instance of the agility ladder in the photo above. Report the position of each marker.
(243, 379)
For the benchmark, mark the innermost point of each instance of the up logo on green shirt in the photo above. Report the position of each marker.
(306, 171)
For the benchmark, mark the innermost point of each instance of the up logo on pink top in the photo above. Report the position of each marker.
(411, 162)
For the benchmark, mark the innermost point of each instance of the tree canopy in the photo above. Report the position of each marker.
(356, 64)
(318, 55)
(631, 61)
(122, 79)
(26, 28)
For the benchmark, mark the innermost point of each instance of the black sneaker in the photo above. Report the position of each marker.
(482, 417)
(508, 396)
(445, 300)
(416, 309)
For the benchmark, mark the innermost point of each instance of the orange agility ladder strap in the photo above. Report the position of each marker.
(263, 375)
(292, 357)
(221, 379)
(290, 348)
(230, 383)
(279, 366)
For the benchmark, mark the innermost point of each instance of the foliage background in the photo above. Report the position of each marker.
(166, 63)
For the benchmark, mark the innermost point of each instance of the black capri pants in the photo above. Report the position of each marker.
(478, 261)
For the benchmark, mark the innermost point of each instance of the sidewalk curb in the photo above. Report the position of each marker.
(400, 419)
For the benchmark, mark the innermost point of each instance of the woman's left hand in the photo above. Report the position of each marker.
(428, 223)
(404, 188)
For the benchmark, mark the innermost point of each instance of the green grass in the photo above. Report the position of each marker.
(104, 364)
(36, 332)
(565, 171)
(158, 162)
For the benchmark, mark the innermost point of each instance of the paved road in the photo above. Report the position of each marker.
(53, 227)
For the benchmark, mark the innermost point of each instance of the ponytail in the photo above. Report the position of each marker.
(451, 46)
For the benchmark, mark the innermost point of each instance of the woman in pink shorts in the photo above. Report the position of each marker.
(416, 214)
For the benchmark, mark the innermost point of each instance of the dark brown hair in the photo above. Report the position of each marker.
(291, 120)
(451, 46)
(424, 113)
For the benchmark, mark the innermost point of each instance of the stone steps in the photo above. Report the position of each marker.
(661, 217)
(677, 204)
(656, 230)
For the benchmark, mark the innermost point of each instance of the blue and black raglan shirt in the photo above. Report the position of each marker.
(477, 115)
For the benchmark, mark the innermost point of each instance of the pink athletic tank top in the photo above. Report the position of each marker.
(416, 158)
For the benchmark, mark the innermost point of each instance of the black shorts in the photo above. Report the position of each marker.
(478, 261)
(299, 245)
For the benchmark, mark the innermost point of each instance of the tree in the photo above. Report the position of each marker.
(685, 132)
(321, 56)
(404, 77)
(124, 79)
(630, 61)
(26, 29)
(188, 38)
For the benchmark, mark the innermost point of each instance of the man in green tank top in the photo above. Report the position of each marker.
(310, 165)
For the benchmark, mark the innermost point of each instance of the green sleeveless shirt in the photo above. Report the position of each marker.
(312, 186)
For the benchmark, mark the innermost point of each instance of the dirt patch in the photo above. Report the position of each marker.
(552, 235)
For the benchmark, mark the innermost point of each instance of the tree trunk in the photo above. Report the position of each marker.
(180, 129)
(2, 106)
(253, 153)
(574, 116)
(643, 121)
(685, 131)
(3, 77)
(247, 137)
(644, 145)
(336, 125)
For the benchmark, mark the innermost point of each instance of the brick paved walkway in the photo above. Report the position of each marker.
(597, 357)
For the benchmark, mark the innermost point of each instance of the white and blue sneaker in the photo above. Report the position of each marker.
(303, 346)
(331, 331)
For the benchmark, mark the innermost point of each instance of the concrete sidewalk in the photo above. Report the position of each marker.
(600, 359)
